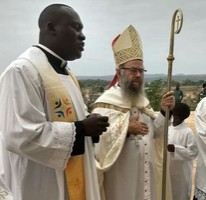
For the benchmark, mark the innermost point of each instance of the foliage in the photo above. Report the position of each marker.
(188, 82)
(154, 92)
(96, 85)
(92, 89)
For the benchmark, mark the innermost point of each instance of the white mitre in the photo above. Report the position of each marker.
(127, 46)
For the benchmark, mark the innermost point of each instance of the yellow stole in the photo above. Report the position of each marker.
(61, 109)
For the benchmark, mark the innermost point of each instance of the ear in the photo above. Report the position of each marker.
(51, 28)
(118, 72)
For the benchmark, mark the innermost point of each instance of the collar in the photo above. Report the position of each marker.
(49, 51)
(56, 61)
(180, 126)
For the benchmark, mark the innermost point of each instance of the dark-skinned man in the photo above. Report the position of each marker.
(47, 132)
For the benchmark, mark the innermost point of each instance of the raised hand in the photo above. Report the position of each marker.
(168, 100)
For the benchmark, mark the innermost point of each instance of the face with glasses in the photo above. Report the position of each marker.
(134, 70)
(131, 76)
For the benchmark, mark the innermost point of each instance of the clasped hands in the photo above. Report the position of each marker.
(95, 124)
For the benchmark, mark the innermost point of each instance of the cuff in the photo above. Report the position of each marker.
(78, 147)
(163, 113)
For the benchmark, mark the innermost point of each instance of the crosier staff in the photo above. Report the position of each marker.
(177, 21)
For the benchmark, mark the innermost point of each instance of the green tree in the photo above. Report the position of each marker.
(154, 93)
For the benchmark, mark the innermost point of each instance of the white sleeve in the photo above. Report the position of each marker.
(159, 125)
(25, 123)
(1, 156)
(189, 152)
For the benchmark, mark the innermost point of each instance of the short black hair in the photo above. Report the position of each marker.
(50, 13)
(203, 85)
(181, 110)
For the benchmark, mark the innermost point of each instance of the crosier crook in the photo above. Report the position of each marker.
(177, 20)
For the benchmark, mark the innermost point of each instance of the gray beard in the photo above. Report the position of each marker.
(132, 93)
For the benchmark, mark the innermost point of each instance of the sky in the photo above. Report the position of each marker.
(103, 20)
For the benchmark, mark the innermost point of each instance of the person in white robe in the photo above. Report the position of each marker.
(183, 150)
(5, 193)
(129, 154)
(47, 132)
(200, 176)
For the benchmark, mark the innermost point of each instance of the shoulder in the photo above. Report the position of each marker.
(109, 95)
(21, 67)
(201, 104)
(189, 130)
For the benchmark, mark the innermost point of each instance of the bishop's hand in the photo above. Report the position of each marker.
(137, 127)
(168, 100)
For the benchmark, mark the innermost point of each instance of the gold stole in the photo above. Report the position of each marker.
(61, 109)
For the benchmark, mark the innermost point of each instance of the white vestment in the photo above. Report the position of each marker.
(5, 193)
(127, 164)
(35, 149)
(200, 177)
(181, 161)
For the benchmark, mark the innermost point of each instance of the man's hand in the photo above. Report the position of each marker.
(95, 124)
(137, 127)
(171, 147)
(168, 100)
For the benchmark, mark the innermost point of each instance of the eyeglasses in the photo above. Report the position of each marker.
(134, 70)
